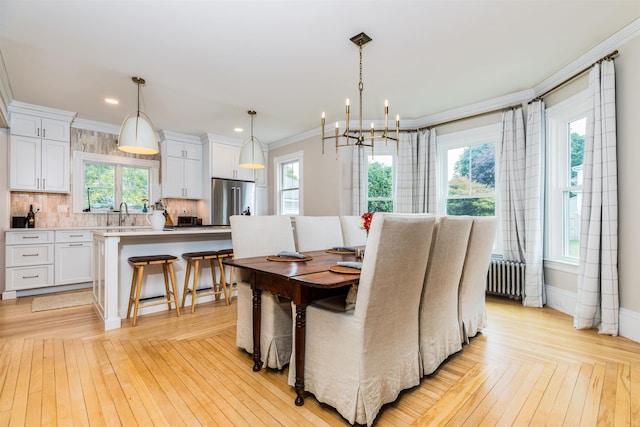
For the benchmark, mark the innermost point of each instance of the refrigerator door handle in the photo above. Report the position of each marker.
(239, 207)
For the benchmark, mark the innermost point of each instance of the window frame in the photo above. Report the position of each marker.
(461, 139)
(558, 117)
(79, 160)
(278, 163)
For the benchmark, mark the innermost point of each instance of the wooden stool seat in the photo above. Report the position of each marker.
(217, 288)
(138, 263)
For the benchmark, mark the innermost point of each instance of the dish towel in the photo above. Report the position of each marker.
(351, 264)
(287, 254)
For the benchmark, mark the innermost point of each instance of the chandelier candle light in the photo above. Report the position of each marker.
(359, 138)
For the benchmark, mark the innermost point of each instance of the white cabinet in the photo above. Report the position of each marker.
(44, 258)
(38, 165)
(182, 170)
(39, 127)
(29, 259)
(73, 259)
(225, 159)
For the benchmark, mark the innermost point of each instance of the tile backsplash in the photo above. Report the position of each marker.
(56, 210)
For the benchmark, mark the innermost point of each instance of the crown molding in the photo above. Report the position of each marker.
(95, 126)
(219, 139)
(50, 113)
(626, 34)
(176, 136)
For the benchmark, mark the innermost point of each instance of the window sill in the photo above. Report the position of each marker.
(565, 266)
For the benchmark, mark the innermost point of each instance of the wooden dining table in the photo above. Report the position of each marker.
(300, 281)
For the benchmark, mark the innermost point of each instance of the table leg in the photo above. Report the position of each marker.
(257, 300)
(301, 321)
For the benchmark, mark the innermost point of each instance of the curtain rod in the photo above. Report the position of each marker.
(578, 74)
(484, 113)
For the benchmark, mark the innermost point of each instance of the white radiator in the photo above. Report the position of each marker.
(506, 278)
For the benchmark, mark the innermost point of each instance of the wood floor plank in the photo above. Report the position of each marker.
(34, 405)
(579, 395)
(21, 395)
(623, 395)
(78, 407)
(108, 411)
(634, 396)
(89, 394)
(514, 402)
(49, 405)
(543, 411)
(12, 366)
(591, 408)
(64, 415)
(607, 410)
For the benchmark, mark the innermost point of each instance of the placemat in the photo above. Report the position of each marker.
(284, 259)
(344, 270)
(338, 251)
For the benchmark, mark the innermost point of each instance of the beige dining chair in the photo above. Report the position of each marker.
(439, 327)
(472, 310)
(254, 236)
(315, 233)
(352, 233)
(356, 361)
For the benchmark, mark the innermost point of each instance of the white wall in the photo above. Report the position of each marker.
(4, 197)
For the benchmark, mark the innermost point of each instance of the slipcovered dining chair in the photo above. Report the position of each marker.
(257, 236)
(472, 310)
(358, 360)
(318, 232)
(439, 327)
(352, 233)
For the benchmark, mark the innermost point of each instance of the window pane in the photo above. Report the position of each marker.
(135, 186)
(290, 202)
(99, 181)
(576, 148)
(380, 206)
(471, 170)
(572, 201)
(476, 206)
(290, 173)
(380, 177)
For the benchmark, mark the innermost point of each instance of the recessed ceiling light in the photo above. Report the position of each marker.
(111, 101)
(238, 129)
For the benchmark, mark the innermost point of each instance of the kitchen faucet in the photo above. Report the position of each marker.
(126, 208)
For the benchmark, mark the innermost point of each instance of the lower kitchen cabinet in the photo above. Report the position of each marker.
(46, 258)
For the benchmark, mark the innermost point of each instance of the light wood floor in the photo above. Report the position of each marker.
(529, 367)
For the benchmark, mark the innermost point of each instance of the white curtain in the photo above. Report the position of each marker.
(598, 302)
(534, 295)
(416, 172)
(359, 181)
(512, 184)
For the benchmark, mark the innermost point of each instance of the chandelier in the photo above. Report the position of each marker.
(360, 137)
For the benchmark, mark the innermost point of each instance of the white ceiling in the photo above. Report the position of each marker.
(207, 62)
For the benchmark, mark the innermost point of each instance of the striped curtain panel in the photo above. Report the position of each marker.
(534, 295)
(597, 300)
(359, 181)
(416, 172)
(512, 184)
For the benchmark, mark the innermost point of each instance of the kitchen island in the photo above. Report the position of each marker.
(112, 273)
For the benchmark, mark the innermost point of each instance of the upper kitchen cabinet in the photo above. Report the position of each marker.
(181, 166)
(225, 159)
(39, 149)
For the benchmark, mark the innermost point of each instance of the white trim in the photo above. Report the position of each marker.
(564, 266)
(561, 299)
(277, 161)
(180, 137)
(219, 139)
(565, 302)
(49, 113)
(85, 124)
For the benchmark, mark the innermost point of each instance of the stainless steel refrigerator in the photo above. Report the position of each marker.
(231, 197)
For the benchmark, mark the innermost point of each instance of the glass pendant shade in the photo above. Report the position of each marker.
(251, 154)
(137, 135)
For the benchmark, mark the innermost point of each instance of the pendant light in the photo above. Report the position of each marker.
(136, 133)
(251, 154)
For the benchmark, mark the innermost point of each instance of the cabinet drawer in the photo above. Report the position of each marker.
(19, 278)
(69, 236)
(23, 255)
(28, 237)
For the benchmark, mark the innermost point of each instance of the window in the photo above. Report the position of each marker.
(289, 184)
(467, 172)
(565, 153)
(380, 183)
(106, 181)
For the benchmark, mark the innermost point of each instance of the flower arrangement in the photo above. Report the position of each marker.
(365, 221)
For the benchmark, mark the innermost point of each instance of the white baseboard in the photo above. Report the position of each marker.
(565, 302)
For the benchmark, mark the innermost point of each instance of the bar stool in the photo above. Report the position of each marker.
(138, 263)
(217, 288)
